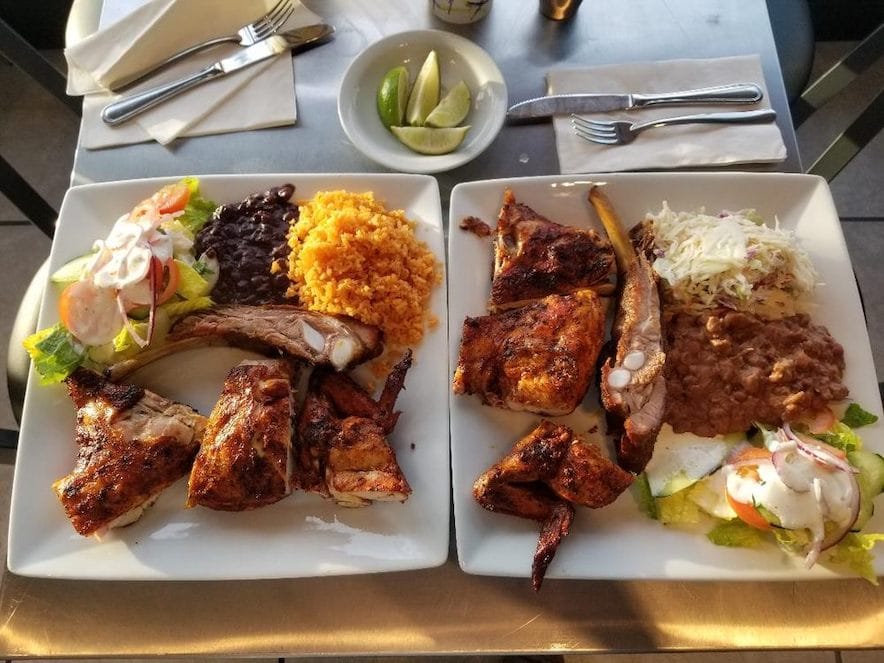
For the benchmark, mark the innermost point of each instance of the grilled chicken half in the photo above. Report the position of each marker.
(132, 444)
(539, 358)
(321, 339)
(535, 257)
(632, 384)
(545, 474)
(342, 447)
(245, 460)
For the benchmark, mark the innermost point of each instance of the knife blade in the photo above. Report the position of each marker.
(558, 104)
(294, 40)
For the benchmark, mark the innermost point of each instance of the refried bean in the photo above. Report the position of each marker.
(727, 370)
(248, 237)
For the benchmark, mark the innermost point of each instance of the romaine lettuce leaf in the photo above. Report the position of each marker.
(841, 436)
(198, 209)
(735, 533)
(855, 552)
(856, 417)
(190, 284)
(55, 353)
(175, 309)
(678, 508)
(641, 491)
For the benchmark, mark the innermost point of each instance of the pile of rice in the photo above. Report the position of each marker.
(351, 255)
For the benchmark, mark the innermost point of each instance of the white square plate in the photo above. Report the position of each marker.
(619, 541)
(302, 535)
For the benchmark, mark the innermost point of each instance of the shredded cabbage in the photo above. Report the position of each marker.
(731, 260)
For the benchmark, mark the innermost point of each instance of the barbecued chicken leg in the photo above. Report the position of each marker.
(342, 450)
(535, 257)
(540, 357)
(632, 384)
(544, 475)
(245, 460)
(132, 444)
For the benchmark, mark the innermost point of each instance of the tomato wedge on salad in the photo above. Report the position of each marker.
(747, 512)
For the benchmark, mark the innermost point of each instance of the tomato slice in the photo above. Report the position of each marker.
(172, 198)
(748, 514)
(90, 313)
(171, 278)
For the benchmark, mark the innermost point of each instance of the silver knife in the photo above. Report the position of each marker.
(297, 39)
(557, 104)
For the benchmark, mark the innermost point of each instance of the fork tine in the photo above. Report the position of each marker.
(593, 124)
(273, 19)
(604, 139)
(595, 131)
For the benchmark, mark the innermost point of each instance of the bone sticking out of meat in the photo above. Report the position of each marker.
(535, 257)
(342, 450)
(245, 460)
(632, 384)
(540, 357)
(542, 477)
(321, 339)
(131, 445)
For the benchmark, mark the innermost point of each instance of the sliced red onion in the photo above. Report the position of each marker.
(818, 451)
(121, 304)
(792, 468)
(155, 277)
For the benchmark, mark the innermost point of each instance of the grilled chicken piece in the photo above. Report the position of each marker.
(632, 384)
(539, 358)
(544, 475)
(535, 257)
(245, 460)
(131, 443)
(319, 338)
(342, 451)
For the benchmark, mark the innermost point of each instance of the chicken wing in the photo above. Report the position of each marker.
(539, 358)
(544, 475)
(342, 450)
(132, 444)
(245, 460)
(535, 257)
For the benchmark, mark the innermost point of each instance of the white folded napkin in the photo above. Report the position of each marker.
(668, 147)
(137, 33)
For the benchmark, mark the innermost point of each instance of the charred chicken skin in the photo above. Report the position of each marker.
(545, 474)
(132, 444)
(632, 384)
(535, 257)
(539, 358)
(342, 450)
(245, 460)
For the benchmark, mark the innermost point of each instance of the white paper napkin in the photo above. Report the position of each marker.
(259, 96)
(669, 147)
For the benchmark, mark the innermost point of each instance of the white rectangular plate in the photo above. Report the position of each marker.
(619, 541)
(302, 535)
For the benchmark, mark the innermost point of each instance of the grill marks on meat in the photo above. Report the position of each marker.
(248, 238)
(539, 358)
(727, 370)
(342, 450)
(535, 257)
(132, 444)
(245, 460)
(544, 475)
(632, 384)
(319, 338)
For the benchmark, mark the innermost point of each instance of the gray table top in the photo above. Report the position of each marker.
(525, 46)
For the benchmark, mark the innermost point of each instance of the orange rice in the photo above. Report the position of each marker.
(351, 255)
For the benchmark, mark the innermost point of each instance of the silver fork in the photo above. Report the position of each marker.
(620, 132)
(247, 35)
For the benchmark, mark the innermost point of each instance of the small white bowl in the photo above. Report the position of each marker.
(459, 59)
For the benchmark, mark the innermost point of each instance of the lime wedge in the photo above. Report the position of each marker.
(393, 96)
(453, 108)
(425, 93)
(430, 141)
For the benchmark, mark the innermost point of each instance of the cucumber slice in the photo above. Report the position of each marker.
(680, 460)
(872, 466)
(73, 270)
(866, 502)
